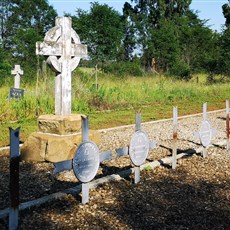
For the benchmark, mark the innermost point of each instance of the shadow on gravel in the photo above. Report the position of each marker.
(187, 151)
(109, 170)
(219, 146)
(40, 182)
(222, 118)
(167, 200)
(193, 142)
(160, 202)
(164, 199)
(35, 180)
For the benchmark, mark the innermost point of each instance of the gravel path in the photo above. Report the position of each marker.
(196, 195)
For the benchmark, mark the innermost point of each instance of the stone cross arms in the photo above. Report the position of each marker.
(17, 71)
(64, 50)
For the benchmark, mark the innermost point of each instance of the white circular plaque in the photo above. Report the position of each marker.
(205, 133)
(86, 161)
(139, 148)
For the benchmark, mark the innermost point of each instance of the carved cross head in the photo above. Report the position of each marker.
(61, 44)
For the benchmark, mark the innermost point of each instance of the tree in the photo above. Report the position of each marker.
(224, 62)
(5, 66)
(226, 13)
(174, 35)
(163, 46)
(101, 29)
(129, 38)
(199, 44)
(23, 23)
(3, 18)
(156, 17)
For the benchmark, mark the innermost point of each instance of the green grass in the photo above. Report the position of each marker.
(114, 103)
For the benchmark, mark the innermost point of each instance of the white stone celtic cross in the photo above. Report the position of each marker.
(62, 45)
(17, 71)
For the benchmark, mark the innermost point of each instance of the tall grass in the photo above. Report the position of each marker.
(113, 103)
(112, 94)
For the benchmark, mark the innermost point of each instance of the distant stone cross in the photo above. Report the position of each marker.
(17, 71)
(62, 45)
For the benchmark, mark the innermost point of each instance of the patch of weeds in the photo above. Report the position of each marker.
(148, 168)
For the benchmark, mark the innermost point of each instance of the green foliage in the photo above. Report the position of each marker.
(5, 67)
(101, 30)
(148, 168)
(226, 12)
(122, 69)
(114, 102)
(174, 35)
(224, 61)
(167, 31)
(181, 71)
(198, 43)
(80, 106)
(165, 55)
(129, 38)
(24, 23)
(156, 29)
(112, 94)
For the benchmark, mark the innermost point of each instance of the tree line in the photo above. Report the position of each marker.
(160, 35)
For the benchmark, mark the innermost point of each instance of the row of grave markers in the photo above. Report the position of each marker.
(87, 157)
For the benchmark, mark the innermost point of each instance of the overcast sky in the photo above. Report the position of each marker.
(208, 9)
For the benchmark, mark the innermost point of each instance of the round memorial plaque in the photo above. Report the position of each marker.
(139, 148)
(205, 133)
(86, 161)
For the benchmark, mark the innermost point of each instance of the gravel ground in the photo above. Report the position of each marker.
(196, 195)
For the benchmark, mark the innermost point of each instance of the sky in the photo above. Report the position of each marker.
(207, 9)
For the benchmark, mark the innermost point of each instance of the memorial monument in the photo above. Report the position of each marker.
(58, 133)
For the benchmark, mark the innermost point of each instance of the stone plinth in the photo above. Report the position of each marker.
(57, 139)
(53, 148)
(57, 124)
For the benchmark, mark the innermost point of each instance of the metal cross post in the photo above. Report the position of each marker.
(14, 178)
(205, 117)
(139, 148)
(227, 125)
(206, 132)
(85, 137)
(174, 149)
(17, 71)
(62, 45)
(137, 168)
(205, 108)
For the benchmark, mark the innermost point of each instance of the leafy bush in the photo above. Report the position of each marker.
(123, 69)
(211, 78)
(181, 71)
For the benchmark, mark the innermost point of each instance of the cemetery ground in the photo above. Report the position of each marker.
(196, 195)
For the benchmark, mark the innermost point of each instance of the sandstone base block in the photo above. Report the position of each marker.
(53, 148)
(57, 124)
(57, 138)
